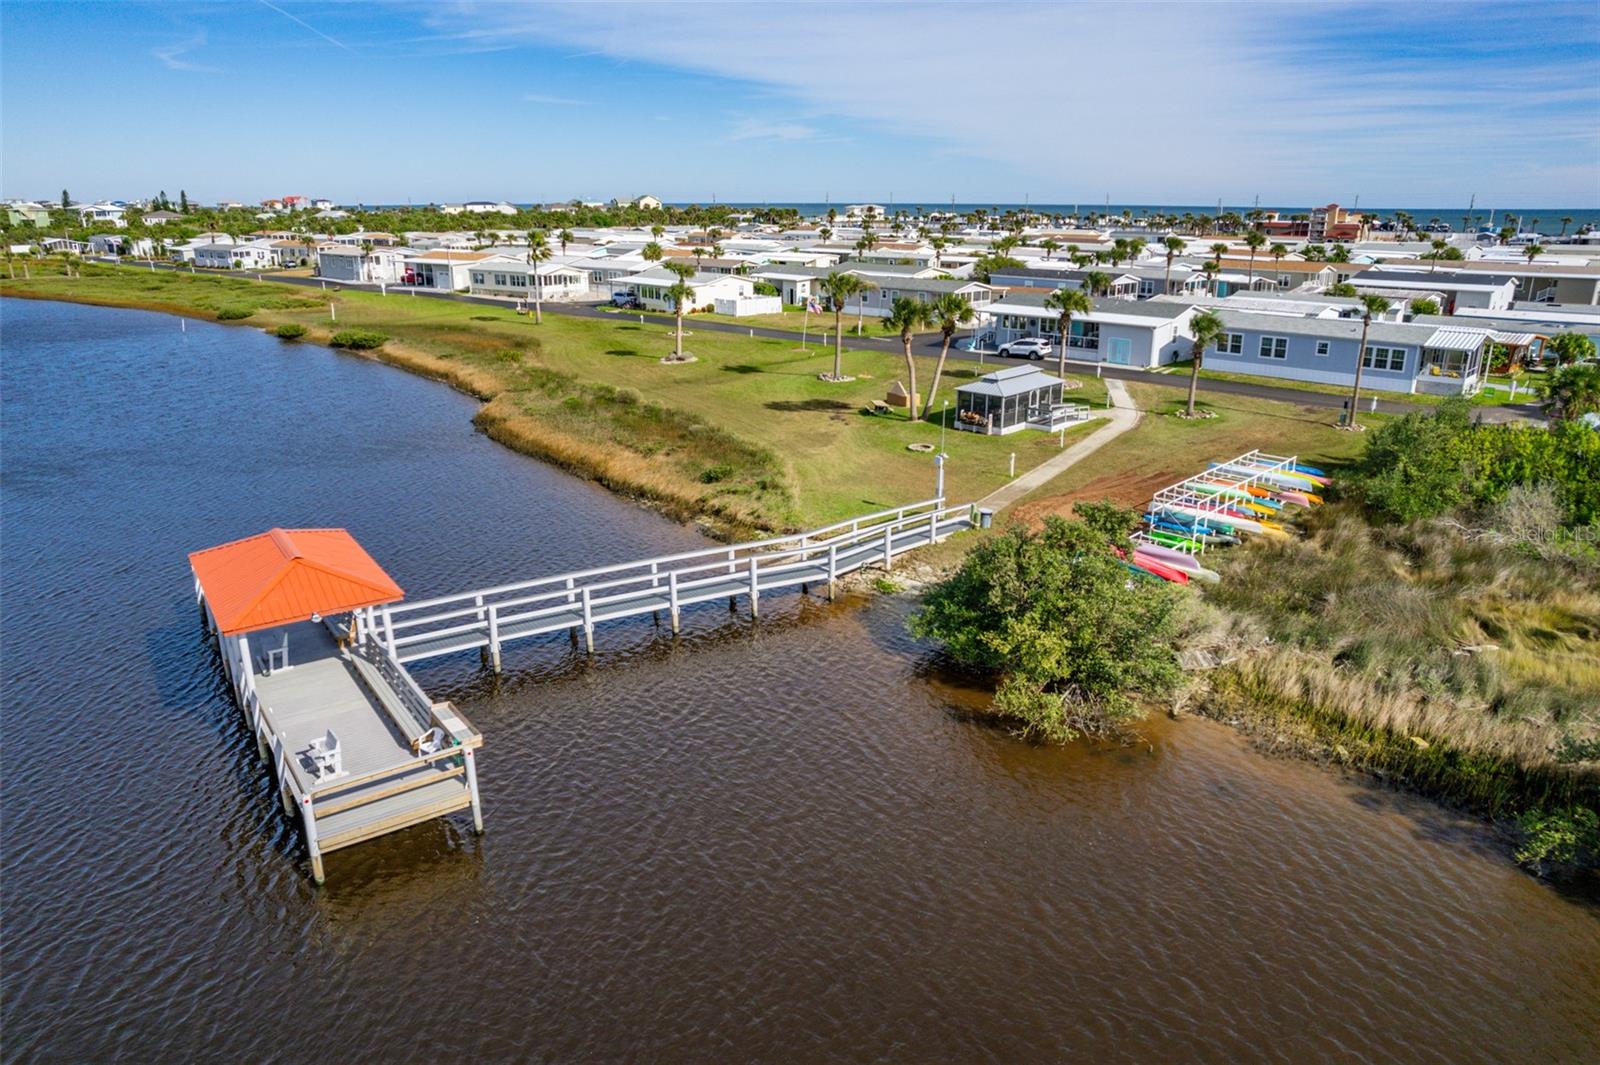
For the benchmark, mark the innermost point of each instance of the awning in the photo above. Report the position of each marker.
(286, 575)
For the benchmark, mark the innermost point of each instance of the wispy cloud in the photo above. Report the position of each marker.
(1401, 104)
(171, 56)
(307, 25)
(557, 101)
(751, 129)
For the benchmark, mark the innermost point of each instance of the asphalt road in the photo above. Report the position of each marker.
(926, 345)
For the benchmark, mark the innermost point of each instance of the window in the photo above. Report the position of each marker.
(500, 280)
(1322, 347)
(1230, 344)
(1274, 347)
(477, 279)
(1384, 359)
(519, 280)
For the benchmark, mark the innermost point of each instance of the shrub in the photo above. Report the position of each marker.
(234, 313)
(1559, 838)
(1055, 616)
(765, 288)
(357, 339)
(290, 331)
(626, 397)
(715, 474)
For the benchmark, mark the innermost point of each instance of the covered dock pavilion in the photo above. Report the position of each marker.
(358, 749)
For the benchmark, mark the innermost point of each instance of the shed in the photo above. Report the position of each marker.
(1008, 400)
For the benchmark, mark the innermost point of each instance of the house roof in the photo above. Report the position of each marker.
(1012, 381)
(1435, 281)
(1142, 312)
(1343, 328)
(286, 575)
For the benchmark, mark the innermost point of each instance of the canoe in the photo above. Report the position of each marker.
(1187, 563)
(1166, 573)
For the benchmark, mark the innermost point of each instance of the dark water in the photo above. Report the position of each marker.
(773, 842)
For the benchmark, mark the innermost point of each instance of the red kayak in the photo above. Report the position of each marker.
(1160, 569)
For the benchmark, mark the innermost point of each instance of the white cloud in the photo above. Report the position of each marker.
(1144, 101)
(749, 129)
(171, 56)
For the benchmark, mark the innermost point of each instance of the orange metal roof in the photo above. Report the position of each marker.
(286, 575)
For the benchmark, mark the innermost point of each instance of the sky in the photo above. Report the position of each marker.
(1403, 105)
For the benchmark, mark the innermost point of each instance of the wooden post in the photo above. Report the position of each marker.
(472, 788)
(755, 592)
(309, 819)
(672, 598)
(588, 621)
(494, 636)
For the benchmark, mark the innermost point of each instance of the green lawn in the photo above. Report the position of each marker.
(1486, 397)
(747, 433)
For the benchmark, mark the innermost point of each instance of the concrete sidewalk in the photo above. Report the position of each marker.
(1122, 416)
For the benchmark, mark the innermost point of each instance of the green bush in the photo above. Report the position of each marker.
(715, 474)
(290, 331)
(234, 313)
(1054, 615)
(626, 397)
(765, 288)
(1556, 838)
(358, 339)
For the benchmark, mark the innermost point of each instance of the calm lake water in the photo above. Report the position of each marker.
(762, 842)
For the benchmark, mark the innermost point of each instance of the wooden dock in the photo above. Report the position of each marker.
(302, 680)
(577, 602)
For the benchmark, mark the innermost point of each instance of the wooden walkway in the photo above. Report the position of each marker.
(489, 618)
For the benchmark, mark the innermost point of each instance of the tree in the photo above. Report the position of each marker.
(1437, 253)
(1420, 306)
(1570, 347)
(1571, 392)
(1053, 614)
(652, 252)
(905, 317)
(1370, 305)
(840, 287)
(565, 238)
(1066, 302)
(680, 294)
(1339, 254)
(1565, 222)
(538, 252)
(1314, 253)
(1098, 282)
(66, 201)
(1255, 240)
(1342, 288)
(1533, 251)
(656, 231)
(949, 312)
(183, 202)
(1050, 246)
(1211, 269)
(1207, 329)
(1174, 246)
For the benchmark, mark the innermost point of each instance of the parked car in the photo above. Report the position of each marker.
(626, 300)
(1034, 348)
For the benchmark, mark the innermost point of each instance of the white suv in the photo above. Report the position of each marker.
(1034, 348)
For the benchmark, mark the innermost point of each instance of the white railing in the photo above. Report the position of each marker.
(491, 616)
(1204, 497)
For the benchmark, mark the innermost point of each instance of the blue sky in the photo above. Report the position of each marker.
(1405, 105)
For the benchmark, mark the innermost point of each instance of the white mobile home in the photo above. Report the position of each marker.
(1145, 334)
(650, 289)
(549, 281)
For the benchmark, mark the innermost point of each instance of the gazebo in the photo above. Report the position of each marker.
(1008, 400)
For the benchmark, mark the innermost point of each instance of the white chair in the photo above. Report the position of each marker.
(326, 756)
(428, 742)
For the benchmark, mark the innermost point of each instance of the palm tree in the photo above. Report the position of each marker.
(939, 245)
(1050, 246)
(1565, 222)
(1174, 246)
(1211, 269)
(949, 312)
(1067, 302)
(1206, 328)
(680, 294)
(1339, 254)
(1370, 305)
(652, 252)
(538, 251)
(1097, 282)
(1533, 251)
(699, 253)
(565, 237)
(1314, 253)
(906, 316)
(1254, 240)
(825, 233)
(656, 231)
(1438, 246)
(1571, 392)
(840, 287)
